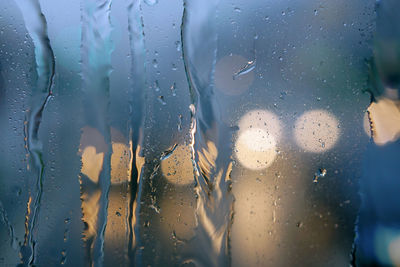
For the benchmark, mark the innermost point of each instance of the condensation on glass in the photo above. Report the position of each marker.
(199, 133)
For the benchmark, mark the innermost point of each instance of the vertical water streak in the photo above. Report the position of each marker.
(96, 49)
(36, 25)
(211, 146)
(10, 228)
(138, 83)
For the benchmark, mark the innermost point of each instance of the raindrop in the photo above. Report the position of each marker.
(178, 46)
(63, 257)
(155, 63)
(173, 89)
(180, 117)
(161, 100)
(156, 86)
(319, 174)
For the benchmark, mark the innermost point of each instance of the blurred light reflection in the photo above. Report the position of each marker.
(255, 147)
(92, 150)
(254, 236)
(177, 168)
(316, 131)
(385, 120)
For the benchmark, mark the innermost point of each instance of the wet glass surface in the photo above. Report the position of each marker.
(199, 133)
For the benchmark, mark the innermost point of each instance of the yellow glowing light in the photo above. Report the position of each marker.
(385, 120)
(255, 147)
(394, 251)
(178, 168)
(207, 156)
(93, 148)
(255, 231)
(92, 163)
(316, 131)
(90, 209)
(118, 210)
(225, 70)
(120, 160)
(261, 119)
(178, 213)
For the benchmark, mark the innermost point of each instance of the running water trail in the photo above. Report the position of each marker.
(138, 83)
(211, 138)
(10, 228)
(36, 25)
(96, 50)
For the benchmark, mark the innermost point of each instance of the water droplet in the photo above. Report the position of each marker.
(319, 174)
(178, 46)
(173, 89)
(161, 100)
(156, 86)
(63, 257)
(155, 63)
(237, 9)
(180, 117)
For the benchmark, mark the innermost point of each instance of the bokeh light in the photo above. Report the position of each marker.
(255, 149)
(256, 143)
(385, 120)
(92, 150)
(255, 231)
(316, 131)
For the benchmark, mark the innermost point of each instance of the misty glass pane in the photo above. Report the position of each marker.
(199, 133)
